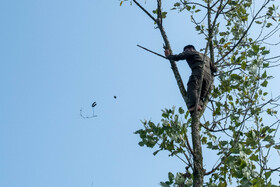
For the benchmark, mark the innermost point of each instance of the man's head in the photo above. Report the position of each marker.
(189, 48)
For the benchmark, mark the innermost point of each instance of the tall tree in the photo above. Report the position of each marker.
(237, 35)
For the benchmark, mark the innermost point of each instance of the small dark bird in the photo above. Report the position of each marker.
(93, 104)
(115, 97)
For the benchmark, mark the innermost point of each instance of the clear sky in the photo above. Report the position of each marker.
(59, 56)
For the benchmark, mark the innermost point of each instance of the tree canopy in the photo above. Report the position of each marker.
(239, 121)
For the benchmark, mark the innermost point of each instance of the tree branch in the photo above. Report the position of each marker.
(218, 166)
(167, 45)
(145, 10)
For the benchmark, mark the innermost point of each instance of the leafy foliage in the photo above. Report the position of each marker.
(238, 130)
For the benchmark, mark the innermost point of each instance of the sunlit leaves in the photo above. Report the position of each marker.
(167, 134)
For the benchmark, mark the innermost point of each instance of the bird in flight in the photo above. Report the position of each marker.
(93, 104)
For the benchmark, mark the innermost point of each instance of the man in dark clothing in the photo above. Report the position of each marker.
(195, 61)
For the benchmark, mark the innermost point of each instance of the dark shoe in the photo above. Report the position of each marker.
(199, 108)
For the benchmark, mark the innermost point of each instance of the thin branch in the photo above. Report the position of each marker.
(211, 130)
(193, 3)
(276, 169)
(145, 10)
(197, 24)
(215, 4)
(220, 9)
(188, 144)
(218, 166)
(181, 159)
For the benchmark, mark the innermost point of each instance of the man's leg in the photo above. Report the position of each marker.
(192, 93)
(206, 85)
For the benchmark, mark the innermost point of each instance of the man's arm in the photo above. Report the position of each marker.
(181, 56)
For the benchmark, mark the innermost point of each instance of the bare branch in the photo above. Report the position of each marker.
(193, 3)
(272, 58)
(218, 166)
(188, 144)
(142, 8)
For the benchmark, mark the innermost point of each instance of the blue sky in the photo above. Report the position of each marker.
(59, 56)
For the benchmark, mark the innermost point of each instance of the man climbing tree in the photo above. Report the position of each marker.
(238, 134)
(196, 62)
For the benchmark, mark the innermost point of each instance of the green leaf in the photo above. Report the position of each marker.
(156, 152)
(264, 75)
(256, 48)
(222, 184)
(268, 25)
(163, 14)
(254, 157)
(251, 53)
(235, 76)
(181, 111)
(243, 65)
(265, 52)
(204, 140)
(267, 174)
(265, 65)
(264, 84)
(165, 115)
(187, 114)
(141, 144)
(223, 143)
(268, 139)
(243, 164)
(170, 176)
(164, 184)
(210, 145)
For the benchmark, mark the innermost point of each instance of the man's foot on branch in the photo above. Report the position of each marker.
(199, 108)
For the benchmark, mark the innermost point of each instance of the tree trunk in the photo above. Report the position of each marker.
(197, 150)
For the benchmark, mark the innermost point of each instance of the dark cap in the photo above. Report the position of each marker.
(189, 46)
